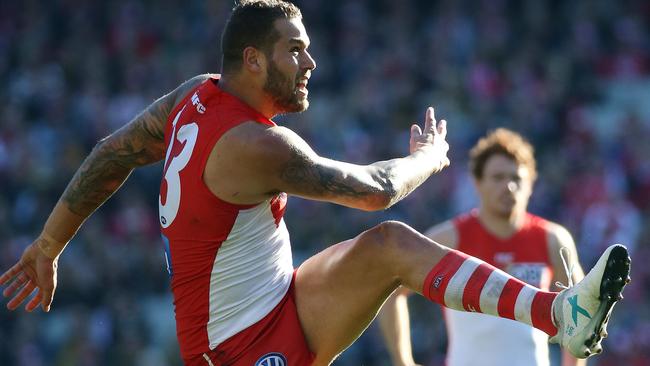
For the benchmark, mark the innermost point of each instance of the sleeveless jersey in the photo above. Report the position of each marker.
(491, 341)
(230, 265)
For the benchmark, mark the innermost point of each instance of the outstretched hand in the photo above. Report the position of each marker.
(35, 271)
(433, 136)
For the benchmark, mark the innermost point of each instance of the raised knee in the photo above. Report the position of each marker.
(393, 230)
(385, 246)
(391, 235)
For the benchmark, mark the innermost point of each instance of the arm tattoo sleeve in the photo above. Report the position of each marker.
(314, 179)
(139, 143)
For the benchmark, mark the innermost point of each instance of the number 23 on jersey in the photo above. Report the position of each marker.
(178, 155)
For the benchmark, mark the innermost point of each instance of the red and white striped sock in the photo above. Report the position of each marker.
(465, 283)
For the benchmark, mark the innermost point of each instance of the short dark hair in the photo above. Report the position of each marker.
(251, 25)
(504, 142)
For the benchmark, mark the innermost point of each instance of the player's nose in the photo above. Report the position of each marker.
(308, 62)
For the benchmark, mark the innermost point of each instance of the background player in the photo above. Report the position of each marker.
(503, 233)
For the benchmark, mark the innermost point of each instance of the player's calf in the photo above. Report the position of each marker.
(461, 282)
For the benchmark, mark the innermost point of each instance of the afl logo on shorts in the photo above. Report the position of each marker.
(272, 359)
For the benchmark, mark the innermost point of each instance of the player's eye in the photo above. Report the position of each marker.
(295, 50)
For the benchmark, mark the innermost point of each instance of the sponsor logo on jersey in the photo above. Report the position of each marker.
(199, 106)
(536, 274)
(272, 359)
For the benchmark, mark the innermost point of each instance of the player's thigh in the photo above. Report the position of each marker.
(340, 290)
(335, 301)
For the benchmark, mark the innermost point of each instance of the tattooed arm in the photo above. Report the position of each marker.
(138, 143)
(262, 161)
(111, 161)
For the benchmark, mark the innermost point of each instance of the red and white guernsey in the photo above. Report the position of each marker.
(498, 341)
(230, 265)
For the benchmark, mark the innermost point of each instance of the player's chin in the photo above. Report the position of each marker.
(503, 209)
(303, 105)
(506, 211)
(299, 105)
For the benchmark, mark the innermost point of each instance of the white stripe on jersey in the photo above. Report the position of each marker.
(251, 273)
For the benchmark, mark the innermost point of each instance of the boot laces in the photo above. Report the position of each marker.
(565, 254)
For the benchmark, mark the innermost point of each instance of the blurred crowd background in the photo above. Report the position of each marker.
(572, 76)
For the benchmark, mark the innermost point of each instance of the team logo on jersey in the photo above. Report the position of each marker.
(503, 259)
(272, 359)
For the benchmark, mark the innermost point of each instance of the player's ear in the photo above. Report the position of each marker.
(254, 59)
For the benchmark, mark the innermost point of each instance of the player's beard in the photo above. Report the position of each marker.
(283, 90)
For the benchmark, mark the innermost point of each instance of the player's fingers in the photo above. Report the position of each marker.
(415, 131)
(22, 295)
(10, 273)
(48, 295)
(18, 282)
(33, 303)
(442, 128)
(430, 121)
